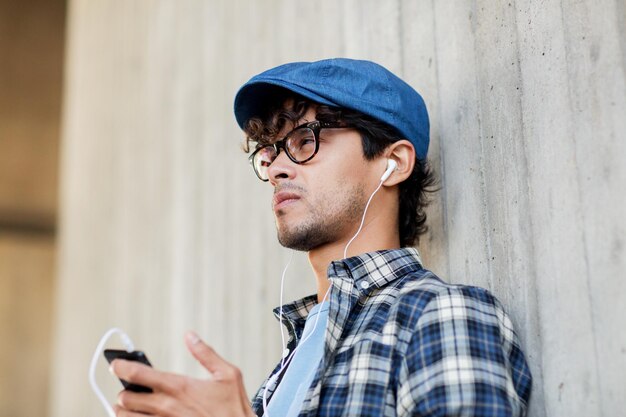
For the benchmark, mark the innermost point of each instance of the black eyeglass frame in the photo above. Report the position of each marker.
(316, 126)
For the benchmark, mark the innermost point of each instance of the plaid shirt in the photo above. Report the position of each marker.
(401, 342)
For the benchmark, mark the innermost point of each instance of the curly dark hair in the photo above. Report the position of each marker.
(376, 136)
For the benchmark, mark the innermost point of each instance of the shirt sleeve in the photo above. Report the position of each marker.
(463, 359)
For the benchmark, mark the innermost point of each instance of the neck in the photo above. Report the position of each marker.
(377, 234)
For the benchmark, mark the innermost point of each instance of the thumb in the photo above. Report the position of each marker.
(203, 353)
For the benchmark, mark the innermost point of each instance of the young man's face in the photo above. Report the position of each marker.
(322, 201)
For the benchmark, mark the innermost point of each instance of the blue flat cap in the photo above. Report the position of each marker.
(363, 86)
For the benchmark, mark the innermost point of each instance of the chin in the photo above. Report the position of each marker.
(303, 239)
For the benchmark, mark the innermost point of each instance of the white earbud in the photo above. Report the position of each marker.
(391, 166)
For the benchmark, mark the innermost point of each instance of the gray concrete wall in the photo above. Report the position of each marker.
(165, 228)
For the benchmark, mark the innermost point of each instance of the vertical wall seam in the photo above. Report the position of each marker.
(400, 36)
(442, 176)
(485, 217)
(580, 214)
(620, 16)
(531, 242)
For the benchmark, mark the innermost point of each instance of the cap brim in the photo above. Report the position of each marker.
(257, 98)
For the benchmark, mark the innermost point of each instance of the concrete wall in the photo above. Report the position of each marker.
(164, 227)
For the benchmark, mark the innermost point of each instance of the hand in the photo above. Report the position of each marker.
(223, 394)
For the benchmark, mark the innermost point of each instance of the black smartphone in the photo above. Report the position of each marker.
(137, 356)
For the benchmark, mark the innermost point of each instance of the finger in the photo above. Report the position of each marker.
(220, 369)
(147, 376)
(121, 412)
(245, 401)
(243, 395)
(156, 403)
(204, 354)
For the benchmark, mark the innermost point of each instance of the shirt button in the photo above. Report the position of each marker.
(285, 353)
(365, 285)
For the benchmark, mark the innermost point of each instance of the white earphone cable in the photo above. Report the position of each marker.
(280, 313)
(285, 362)
(128, 345)
(345, 251)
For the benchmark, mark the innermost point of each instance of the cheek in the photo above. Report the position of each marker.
(339, 193)
(331, 183)
(339, 169)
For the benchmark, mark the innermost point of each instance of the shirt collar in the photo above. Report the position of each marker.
(297, 311)
(374, 269)
(363, 272)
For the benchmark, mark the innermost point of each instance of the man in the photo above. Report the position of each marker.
(343, 143)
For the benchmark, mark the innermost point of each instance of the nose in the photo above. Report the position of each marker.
(282, 168)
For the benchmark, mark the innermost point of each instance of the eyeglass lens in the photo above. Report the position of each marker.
(262, 160)
(299, 145)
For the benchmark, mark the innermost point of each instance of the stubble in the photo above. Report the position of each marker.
(327, 220)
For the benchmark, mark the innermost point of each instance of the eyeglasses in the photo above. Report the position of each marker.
(300, 145)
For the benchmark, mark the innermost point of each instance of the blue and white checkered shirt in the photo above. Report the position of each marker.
(401, 342)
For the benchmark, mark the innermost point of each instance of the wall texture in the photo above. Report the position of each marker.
(164, 227)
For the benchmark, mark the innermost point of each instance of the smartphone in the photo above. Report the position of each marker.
(137, 356)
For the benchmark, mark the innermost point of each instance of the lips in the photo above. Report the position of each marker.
(283, 199)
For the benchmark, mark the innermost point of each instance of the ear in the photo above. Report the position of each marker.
(403, 153)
